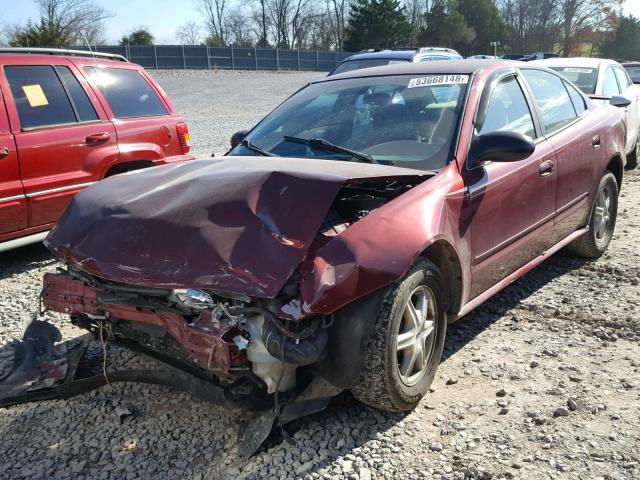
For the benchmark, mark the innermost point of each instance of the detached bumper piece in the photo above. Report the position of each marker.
(43, 370)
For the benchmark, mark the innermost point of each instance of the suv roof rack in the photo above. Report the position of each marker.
(63, 51)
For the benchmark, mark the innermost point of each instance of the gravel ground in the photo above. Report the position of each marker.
(541, 382)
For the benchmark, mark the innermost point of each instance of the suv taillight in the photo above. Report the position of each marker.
(183, 136)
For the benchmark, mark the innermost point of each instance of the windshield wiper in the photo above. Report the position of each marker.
(247, 144)
(322, 144)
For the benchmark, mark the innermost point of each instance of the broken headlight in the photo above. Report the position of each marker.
(192, 298)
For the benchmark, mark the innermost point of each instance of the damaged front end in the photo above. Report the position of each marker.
(206, 266)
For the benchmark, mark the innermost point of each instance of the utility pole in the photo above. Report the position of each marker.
(495, 45)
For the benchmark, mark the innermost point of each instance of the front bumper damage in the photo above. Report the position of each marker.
(201, 359)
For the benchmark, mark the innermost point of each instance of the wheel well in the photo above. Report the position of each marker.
(615, 167)
(128, 167)
(445, 257)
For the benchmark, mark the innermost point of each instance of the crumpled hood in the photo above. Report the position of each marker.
(235, 224)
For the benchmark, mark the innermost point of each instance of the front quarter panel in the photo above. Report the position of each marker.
(380, 248)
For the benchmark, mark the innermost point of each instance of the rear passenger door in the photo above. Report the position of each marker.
(13, 204)
(63, 137)
(577, 139)
(144, 122)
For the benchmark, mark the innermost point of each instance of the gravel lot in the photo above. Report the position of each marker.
(541, 382)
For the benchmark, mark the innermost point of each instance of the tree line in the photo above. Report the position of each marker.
(568, 27)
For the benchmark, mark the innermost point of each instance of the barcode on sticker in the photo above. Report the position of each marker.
(577, 70)
(438, 80)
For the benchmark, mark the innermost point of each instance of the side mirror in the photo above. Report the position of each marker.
(620, 101)
(237, 137)
(500, 147)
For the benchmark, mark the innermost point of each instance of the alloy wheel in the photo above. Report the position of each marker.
(416, 335)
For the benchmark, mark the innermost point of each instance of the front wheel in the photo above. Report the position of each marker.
(602, 222)
(405, 347)
(633, 157)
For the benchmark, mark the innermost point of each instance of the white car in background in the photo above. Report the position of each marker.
(602, 79)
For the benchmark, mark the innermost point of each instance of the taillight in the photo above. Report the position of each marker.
(183, 136)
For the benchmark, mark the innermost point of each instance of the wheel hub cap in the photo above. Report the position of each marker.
(602, 213)
(416, 336)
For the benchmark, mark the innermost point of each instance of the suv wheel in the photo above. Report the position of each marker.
(405, 347)
(602, 222)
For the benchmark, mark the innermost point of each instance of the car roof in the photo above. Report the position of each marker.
(467, 67)
(47, 59)
(585, 62)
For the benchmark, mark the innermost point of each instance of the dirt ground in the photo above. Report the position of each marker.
(541, 382)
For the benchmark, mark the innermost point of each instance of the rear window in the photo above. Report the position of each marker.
(583, 78)
(634, 73)
(46, 96)
(127, 92)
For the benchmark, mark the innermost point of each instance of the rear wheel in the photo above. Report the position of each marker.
(405, 347)
(602, 222)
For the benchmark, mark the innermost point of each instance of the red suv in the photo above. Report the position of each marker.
(69, 119)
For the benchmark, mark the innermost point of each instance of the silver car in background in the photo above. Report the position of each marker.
(602, 79)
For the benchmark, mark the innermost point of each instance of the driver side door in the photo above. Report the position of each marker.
(512, 204)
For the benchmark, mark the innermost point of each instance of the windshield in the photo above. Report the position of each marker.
(583, 78)
(399, 120)
(368, 63)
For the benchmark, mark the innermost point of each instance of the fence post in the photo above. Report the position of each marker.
(184, 60)
(255, 56)
(155, 56)
(317, 61)
(233, 60)
(298, 59)
(277, 59)
(208, 58)
(335, 57)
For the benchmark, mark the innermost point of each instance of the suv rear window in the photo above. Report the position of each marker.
(127, 92)
(47, 96)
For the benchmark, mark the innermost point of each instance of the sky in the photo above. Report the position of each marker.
(162, 17)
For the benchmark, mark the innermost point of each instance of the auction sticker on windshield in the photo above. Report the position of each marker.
(438, 80)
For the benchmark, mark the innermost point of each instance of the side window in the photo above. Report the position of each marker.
(40, 98)
(84, 107)
(576, 98)
(610, 85)
(508, 110)
(623, 80)
(552, 99)
(127, 92)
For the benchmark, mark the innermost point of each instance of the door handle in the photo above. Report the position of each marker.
(97, 138)
(595, 141)
(4, 152)
(546, 168)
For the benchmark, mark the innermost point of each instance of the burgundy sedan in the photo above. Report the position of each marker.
(331, 247)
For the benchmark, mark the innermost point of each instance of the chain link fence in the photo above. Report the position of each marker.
(228, 58)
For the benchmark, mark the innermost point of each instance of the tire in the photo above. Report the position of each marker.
(633, 157)
(382, 385)
(595, 242)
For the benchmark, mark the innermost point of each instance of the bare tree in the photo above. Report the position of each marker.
(240, 33)
(81, 20)
(416, 12)
(215, 13)
(579, 17)
(189, 33)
